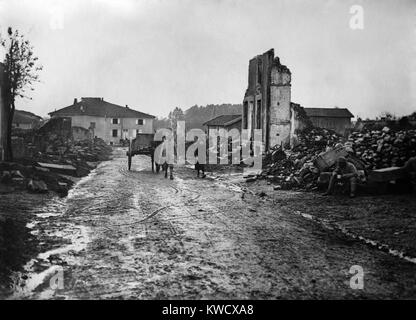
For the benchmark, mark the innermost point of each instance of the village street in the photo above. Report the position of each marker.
(126, 235)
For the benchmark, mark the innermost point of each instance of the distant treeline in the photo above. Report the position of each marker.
(196, 115)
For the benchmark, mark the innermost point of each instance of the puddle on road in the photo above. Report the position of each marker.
(53, 222)
(78, 239)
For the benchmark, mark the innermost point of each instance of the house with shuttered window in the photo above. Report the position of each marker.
(106, 120)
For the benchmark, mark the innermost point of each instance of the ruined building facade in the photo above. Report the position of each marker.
(267, 99)
(267, 105)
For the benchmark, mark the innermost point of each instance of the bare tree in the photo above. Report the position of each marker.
(175, 116)
(20, 73)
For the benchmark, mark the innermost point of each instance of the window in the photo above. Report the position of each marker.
(259, 73)
(115, 121)
(92, 125)
(139, 131)
(258, 114)
(115, 133)
(245, 114)
(140, 121)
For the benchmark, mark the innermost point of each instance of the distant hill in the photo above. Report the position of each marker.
(196, 115)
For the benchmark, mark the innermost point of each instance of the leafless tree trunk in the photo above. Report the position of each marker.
(6, 118)
(20, 73)
(8, 153)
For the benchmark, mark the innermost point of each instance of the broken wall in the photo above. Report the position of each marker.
(80, 133)
(280, 110)
(58, 130)
(266, 104)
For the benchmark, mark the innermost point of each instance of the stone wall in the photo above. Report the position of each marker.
(79, 134)
(266, 102)
(280, 114)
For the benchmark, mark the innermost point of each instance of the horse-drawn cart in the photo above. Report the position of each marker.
(143, 144)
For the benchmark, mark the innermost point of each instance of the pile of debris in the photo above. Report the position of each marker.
(295, 168)
(301, 167)
(75, 158)
(48, 169)
(32, 177)
(313, 141)
(383, 148)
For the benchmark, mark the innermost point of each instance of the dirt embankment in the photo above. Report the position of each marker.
(49, 170)
(26, 188)
(17, 244)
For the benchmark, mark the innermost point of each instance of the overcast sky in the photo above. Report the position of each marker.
(157, 55)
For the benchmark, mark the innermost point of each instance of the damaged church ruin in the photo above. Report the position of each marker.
(267, 104)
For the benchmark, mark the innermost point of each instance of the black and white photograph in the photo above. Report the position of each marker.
(207, 150)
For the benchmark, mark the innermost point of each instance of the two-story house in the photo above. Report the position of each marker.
(106, 120)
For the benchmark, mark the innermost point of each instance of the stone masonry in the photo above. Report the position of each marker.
(267, 99)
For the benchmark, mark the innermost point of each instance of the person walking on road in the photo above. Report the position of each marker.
(199, 166)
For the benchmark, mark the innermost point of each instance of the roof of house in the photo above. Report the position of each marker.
(329, 112)
(223, 120)
(98, 107)
(26, 117)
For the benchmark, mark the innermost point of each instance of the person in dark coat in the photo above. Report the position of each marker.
(410, 165)
(199, 167)
(346, 172)
(410, 170)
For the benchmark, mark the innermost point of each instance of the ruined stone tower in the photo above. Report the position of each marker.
(266, 102)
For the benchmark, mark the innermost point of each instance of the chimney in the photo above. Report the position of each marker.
(75, 100)
(127, 106)
(102, 99)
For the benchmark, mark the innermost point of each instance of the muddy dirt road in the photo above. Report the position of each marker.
(124, 235)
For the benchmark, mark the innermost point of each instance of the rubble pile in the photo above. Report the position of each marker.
(384, 148)
(315, 140)
(295, 168)
(48, 169)
(30, 176)
(82, 155)
(368, 150)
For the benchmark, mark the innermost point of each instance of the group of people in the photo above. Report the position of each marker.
(345, 172)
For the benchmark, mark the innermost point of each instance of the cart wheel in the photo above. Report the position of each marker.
(129, 161)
